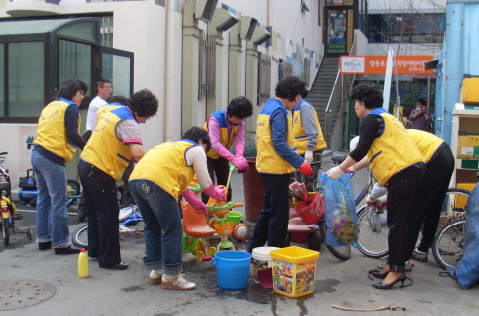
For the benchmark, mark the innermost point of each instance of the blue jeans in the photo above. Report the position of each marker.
(52, 215)
(163, 227)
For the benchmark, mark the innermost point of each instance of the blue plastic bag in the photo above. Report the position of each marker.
(466, 272)
(339, 210)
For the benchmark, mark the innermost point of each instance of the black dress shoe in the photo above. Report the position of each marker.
(67, 250)
(119, 266)
(384, 286)
(377, 274)
(45, 245)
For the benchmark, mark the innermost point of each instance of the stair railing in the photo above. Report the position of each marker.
(337, 103)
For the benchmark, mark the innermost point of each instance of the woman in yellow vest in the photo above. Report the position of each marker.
(56, 142)
(396, 163)
(225, 127)
(115, 140)
(309, 137)
(159, 178)
(430, 196)
(276, 160)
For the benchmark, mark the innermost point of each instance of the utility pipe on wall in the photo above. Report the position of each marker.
(169, 62)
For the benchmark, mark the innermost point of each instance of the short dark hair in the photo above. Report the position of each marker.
(118, 99)
(196, 134)
(144, 103)
(422, 101)
(69, 87)
(240, 107)
(368, 93)
(101, 82)
(290, 87)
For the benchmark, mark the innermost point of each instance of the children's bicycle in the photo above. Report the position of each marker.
(128, 216)
(8, 210)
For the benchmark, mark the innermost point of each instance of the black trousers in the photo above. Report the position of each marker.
(219, 169)
(402, 188)
(102, 207)
(272, 224)
(428, 200)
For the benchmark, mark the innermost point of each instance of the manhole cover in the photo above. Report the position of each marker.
(18, 293)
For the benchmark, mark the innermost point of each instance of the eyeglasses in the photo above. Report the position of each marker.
(107, 87)
(82, 93)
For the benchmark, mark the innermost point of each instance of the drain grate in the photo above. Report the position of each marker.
(19, 293)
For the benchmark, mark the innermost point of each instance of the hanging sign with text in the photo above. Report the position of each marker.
(405, 65)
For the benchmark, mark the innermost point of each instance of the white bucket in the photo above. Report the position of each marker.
(261, 259)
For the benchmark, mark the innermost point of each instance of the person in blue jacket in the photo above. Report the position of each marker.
(275, 161)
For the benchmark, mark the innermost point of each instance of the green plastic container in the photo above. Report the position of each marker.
(234, 217)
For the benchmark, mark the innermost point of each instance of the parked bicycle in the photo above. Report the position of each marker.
(448, 244)
(8, 210)
(373, 229)
(128, 217)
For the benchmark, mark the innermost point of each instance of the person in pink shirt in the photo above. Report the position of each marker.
(226, 127)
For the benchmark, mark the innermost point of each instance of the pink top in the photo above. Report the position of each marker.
(214, 132)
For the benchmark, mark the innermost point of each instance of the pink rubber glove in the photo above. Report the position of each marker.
(215, 193)
(194, 201)
(225, 153)
(240, 162)
(306, 169)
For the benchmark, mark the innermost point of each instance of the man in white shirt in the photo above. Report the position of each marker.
(104, 92)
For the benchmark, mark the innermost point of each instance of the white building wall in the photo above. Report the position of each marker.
(141, 27)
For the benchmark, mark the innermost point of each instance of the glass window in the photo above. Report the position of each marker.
(117, 69)
(2, 80)
(26, 79)
(83, 30)
(74, 61)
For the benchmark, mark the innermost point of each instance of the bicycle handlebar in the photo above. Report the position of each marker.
(223, 207)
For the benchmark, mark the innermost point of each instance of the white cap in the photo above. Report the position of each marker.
(353, 143)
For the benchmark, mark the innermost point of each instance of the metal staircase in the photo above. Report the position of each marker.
(321, 90)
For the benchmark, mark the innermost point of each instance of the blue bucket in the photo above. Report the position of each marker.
(232, 269)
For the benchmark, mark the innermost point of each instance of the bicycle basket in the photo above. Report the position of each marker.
(311, 210)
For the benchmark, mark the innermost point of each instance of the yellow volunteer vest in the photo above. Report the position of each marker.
(392, 151)
(104, 150)
(267, 159)
(225, 139)
(300, 134)
(165, 165)
(51, 132)
(427, 143)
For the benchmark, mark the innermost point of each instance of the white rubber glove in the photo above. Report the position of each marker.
(309, 156)
(335, 173)
(370, 201)
(382, 200)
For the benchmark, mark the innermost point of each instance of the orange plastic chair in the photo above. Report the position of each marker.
(194, 224)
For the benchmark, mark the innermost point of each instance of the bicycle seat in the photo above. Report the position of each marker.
(338, 157)
(194, 224)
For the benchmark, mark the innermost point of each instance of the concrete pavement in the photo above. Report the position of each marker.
(107, 292)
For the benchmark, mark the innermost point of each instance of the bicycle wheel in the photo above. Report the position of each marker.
(5, 231)
(453, 206)
(448, 246)
(342, 253)
(80, 237)
(373, 232)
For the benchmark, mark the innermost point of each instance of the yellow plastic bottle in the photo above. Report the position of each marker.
(82, 264)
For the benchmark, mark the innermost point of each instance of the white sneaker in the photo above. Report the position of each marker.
(176, 282)
(155, 276)
(419, 255)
